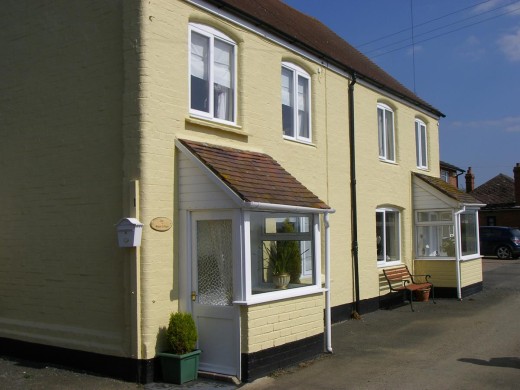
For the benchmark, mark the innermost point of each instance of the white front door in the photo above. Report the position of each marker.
(213, 253)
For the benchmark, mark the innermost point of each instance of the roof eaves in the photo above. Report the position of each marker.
(355, 73)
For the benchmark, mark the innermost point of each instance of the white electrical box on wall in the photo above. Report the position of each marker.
(129, 232)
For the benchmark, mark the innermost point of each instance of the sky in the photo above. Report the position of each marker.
(461, 56)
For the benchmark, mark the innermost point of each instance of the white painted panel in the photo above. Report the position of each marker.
(423, 199)
(197, 191)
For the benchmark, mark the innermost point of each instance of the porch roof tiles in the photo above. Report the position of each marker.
(253, 176)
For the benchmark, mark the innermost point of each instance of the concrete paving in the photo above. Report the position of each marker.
(468, 344)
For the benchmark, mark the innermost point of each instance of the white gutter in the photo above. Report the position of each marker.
(328, 327)
(458, 250)
(285, 208)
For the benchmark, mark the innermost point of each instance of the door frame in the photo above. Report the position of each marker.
(186, 273)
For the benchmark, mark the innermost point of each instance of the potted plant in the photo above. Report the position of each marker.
(284, 259)
(448, 245)
(180, 363)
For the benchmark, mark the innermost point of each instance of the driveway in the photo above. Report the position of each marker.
(468, 344)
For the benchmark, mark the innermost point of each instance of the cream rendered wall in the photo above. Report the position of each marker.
(386, 184)
(62, 276)
(165, 116)
(444, 272)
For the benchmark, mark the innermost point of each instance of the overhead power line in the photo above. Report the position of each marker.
(419, 25)
(438, 35)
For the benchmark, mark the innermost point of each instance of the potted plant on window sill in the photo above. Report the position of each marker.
(180, 363)
(281, 256)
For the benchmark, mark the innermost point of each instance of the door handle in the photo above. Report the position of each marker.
(193, 296)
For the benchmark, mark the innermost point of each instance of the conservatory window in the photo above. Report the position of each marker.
(468, 234)
(435, 235)
(282, 252)
(388, 237)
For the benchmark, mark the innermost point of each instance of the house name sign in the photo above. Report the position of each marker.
(161, 224)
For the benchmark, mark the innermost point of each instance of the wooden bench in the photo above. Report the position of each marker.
(401, 280)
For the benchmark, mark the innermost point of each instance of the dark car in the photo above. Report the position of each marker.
(500, 241)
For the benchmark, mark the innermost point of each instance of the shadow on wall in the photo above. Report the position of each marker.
(511, 362)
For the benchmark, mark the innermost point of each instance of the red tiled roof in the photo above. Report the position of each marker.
(500, 190)
(254, 177)
(448, 189)
(312, 35)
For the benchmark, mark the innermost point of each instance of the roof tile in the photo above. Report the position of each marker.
(254, 177)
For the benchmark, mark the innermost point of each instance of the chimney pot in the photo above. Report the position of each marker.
(470, 180)
(516, 175)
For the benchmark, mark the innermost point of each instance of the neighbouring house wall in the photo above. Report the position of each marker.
(62, 275)
(508, 217)
(386, 184)
(273, 324)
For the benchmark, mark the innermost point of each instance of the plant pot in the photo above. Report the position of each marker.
(422, 295)
(281, 281)
(179, 369)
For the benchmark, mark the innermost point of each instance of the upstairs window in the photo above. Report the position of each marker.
(296, 114)
(212, 74)
(421, 144)
(385, 124)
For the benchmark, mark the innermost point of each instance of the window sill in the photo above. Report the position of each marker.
(301, 142)
(387, 161)
(279, 295)
(204, 122)
(388, 264)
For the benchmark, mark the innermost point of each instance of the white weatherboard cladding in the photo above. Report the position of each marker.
(197, 191)
(424, 200)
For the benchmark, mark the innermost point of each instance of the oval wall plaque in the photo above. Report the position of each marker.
(161, 224)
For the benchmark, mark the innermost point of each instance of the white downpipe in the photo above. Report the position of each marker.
(327, 283)
(458, 250)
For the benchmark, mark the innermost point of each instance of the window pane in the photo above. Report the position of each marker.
(424, 157)
(199, 72)
(392, 236)
(417, 144)
(303, 107)
(380, 236)
(381, 131)
(468, 233)
(287, 102)
(223, 80)
(389, 116)
(281, 243)
(434, 241)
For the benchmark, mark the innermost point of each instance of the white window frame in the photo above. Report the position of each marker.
(212, 34)
(299, 72)
(421, 144)
(384, 210)
(246, 290)
(383, 135)
(439, 223)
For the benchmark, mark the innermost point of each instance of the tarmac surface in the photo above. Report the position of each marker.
(468, 344)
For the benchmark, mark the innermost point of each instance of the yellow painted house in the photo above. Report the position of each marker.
(156, 153)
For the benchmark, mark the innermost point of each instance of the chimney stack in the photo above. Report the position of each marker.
(516, 175)
(470, 180)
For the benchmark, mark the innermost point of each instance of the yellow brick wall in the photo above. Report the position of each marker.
(273, 324)
(62, 276)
